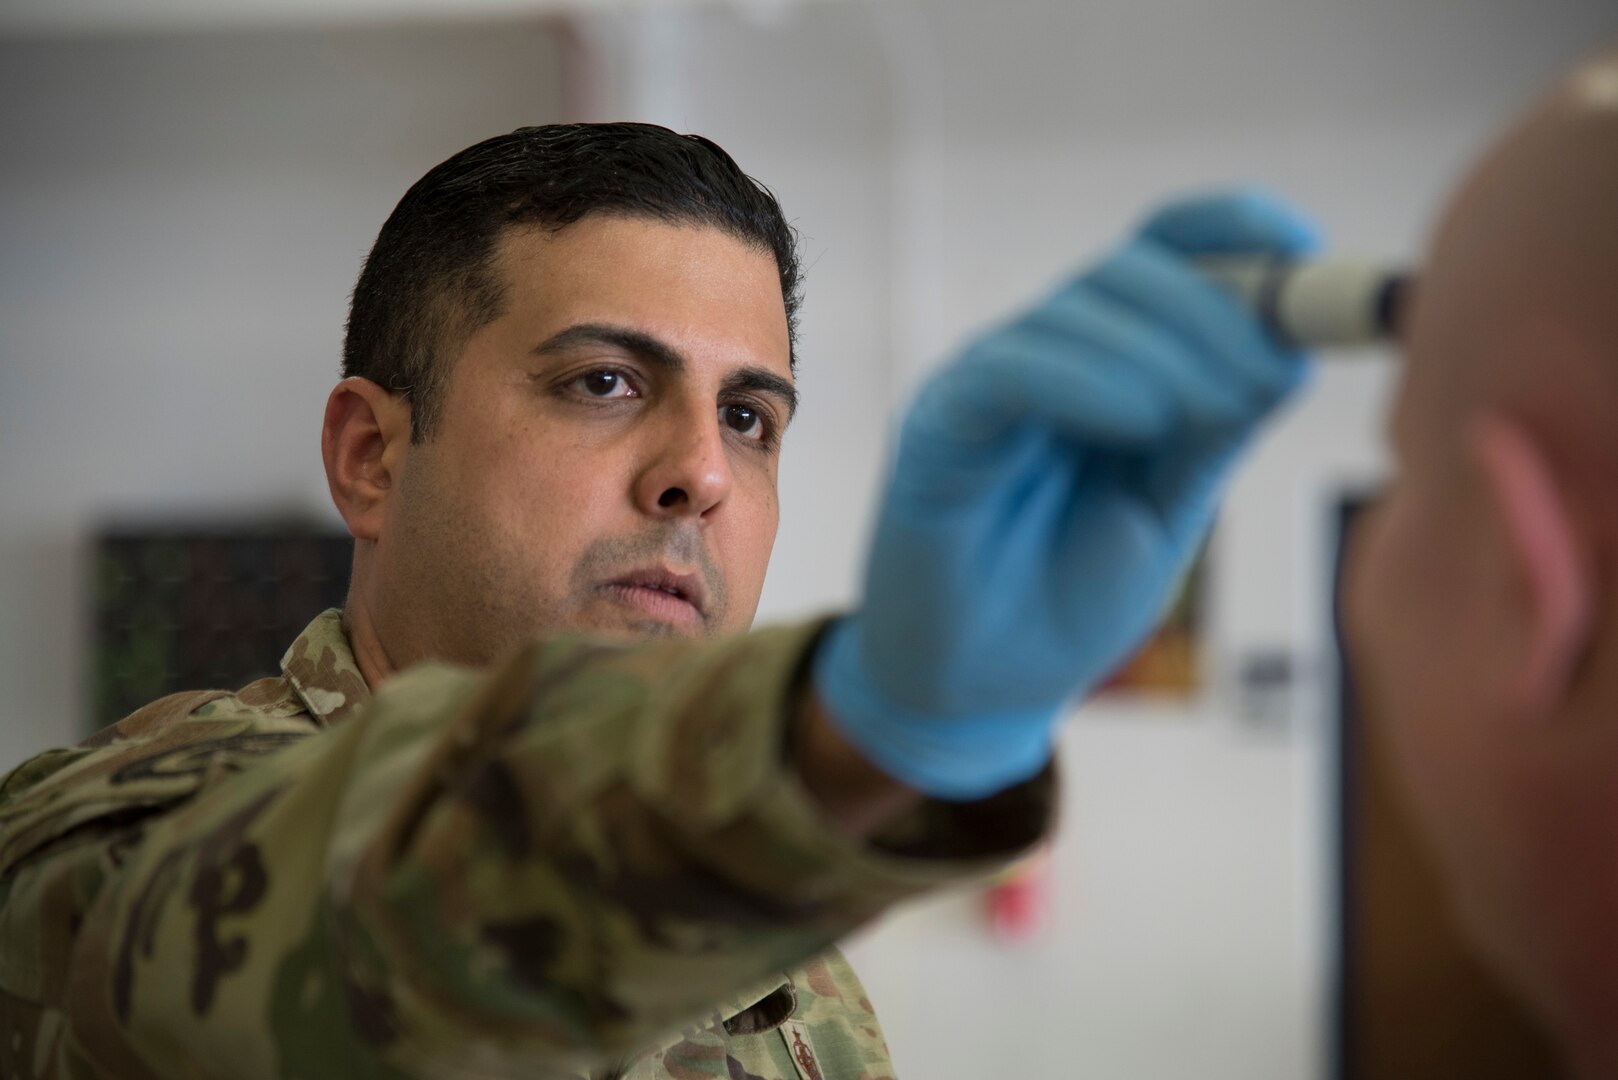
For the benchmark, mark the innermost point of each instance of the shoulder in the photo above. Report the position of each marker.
(160, 754)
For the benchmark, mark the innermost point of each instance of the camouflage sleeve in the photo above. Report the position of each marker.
(528, 872)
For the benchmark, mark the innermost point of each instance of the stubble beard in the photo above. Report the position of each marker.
(469, 595)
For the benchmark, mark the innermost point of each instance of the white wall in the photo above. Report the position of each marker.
(949, 160)
(181, 218)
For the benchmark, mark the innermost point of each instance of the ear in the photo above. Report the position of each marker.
(1552, 583)
(363, 441)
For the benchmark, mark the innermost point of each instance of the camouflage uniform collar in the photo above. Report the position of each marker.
(321, 667)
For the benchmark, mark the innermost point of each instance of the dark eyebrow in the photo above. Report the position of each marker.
(759, 381)
(663, 355)
(642, 345)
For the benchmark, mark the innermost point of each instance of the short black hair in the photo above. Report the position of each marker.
(428, 282)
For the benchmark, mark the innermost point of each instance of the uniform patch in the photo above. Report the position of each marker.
(801, 1048)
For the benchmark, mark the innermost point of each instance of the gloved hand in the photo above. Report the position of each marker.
(1050, 486)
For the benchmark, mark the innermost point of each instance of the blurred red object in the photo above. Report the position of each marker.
(1018, 905)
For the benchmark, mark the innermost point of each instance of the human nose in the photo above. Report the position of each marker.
(687, 474)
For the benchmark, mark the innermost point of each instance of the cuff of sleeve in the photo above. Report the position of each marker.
(963, 759)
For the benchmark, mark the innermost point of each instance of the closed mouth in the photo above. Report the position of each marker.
(661, 592)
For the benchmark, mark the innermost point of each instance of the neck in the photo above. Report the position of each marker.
(1585, 1019)
(372, 658)
(1580, 957)
(1594, 1056)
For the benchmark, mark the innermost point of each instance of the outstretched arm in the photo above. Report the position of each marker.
(545, 867)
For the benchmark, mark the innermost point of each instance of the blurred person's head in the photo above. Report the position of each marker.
(1482, 595)
(568, 368)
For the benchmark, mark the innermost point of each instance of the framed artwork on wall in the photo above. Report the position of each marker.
(188, 606)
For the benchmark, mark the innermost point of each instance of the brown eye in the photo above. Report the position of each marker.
(743, 420)
(604, 384)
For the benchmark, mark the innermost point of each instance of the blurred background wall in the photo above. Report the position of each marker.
(186, 195)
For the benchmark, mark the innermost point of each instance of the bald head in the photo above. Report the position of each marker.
(1481, 611)
(1519, 301)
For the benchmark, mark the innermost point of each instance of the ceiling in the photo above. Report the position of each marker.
(28, 18)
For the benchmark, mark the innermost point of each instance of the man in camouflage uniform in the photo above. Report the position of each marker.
(532, 804)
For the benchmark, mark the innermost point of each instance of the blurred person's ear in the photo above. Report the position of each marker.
(363, 441)
(1546, 579)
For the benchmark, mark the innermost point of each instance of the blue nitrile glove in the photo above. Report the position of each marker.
(1050, 486)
